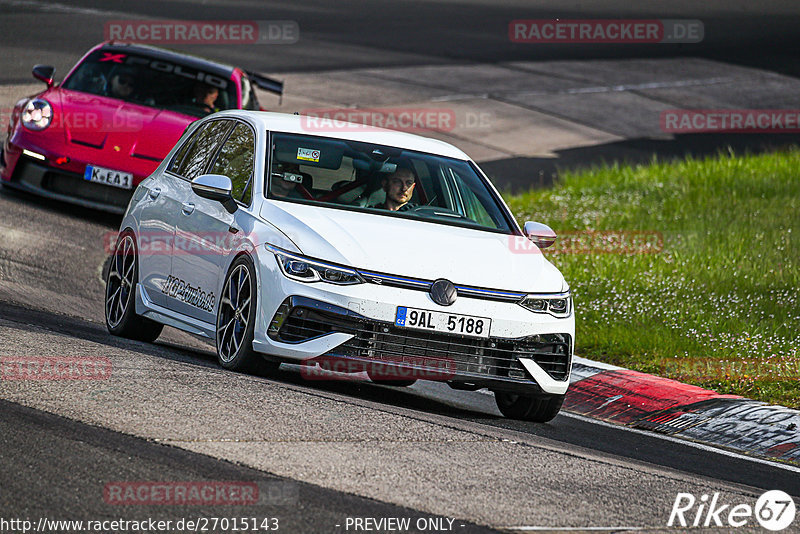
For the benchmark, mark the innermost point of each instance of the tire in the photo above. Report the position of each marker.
(236, 318)
(528, 408)
(120, 296)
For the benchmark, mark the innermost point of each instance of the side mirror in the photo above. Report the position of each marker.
(541, 234)
(44, 73)
(216, 187)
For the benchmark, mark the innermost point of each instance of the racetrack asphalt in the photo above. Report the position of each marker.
(354, 449)
(63, 477)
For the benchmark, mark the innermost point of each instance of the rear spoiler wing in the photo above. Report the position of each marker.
(264, 82)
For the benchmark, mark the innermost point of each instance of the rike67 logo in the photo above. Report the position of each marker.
(774, 510)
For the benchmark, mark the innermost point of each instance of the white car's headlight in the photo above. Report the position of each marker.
(37, 115)
(304, 269)
(556, 305)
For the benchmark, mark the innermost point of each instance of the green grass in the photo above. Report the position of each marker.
(718, 305)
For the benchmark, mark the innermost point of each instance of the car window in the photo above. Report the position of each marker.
(469, 204)
(203, 146)
(383, 180)
(153, 82)
(235, 160)
(181, 153)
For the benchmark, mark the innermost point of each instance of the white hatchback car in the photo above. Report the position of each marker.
(288, 241)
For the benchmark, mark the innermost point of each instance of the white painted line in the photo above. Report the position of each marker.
(688, 443)
(650, 85)
(591, 90)
(460, 96)
(609, 401)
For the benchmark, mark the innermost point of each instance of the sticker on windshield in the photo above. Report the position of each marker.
(308, 154)
(114, 58)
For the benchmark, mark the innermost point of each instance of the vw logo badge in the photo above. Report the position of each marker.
(443, 292)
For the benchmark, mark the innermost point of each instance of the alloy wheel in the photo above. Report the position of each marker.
(120, 281)
(234, 315)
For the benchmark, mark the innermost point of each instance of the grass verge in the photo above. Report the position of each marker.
(689, 270)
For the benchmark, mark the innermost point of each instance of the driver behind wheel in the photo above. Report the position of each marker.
(123, 83)
(204, 97)
(399, 187)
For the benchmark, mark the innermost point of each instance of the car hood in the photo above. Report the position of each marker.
(102, 122)
(412, 248)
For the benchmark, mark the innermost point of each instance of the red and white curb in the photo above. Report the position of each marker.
(648, 402)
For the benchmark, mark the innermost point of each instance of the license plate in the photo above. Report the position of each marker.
(436, 321)
(100, 175)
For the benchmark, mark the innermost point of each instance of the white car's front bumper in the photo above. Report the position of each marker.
(357, 322)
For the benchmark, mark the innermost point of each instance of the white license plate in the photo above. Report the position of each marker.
(448, 323)
(100, 175)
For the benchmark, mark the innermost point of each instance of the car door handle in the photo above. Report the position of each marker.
(154, 193)
(188, 208)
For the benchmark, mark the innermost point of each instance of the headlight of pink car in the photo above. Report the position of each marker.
(37, 115)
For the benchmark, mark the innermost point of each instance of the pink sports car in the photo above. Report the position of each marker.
(116, 115)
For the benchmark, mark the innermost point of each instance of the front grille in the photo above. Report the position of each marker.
(377, 341)
(38, 176)
(425, 285)
(76, 186)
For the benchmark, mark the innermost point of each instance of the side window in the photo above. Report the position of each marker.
(206, 140)
(236, 160)
(179, 155)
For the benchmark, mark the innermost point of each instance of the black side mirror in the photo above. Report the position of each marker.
(44, 73)
(215, 187)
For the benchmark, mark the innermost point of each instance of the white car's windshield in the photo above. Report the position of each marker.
(152, 82)
(383, 180)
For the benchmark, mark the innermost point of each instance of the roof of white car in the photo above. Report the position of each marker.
(323, 127)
